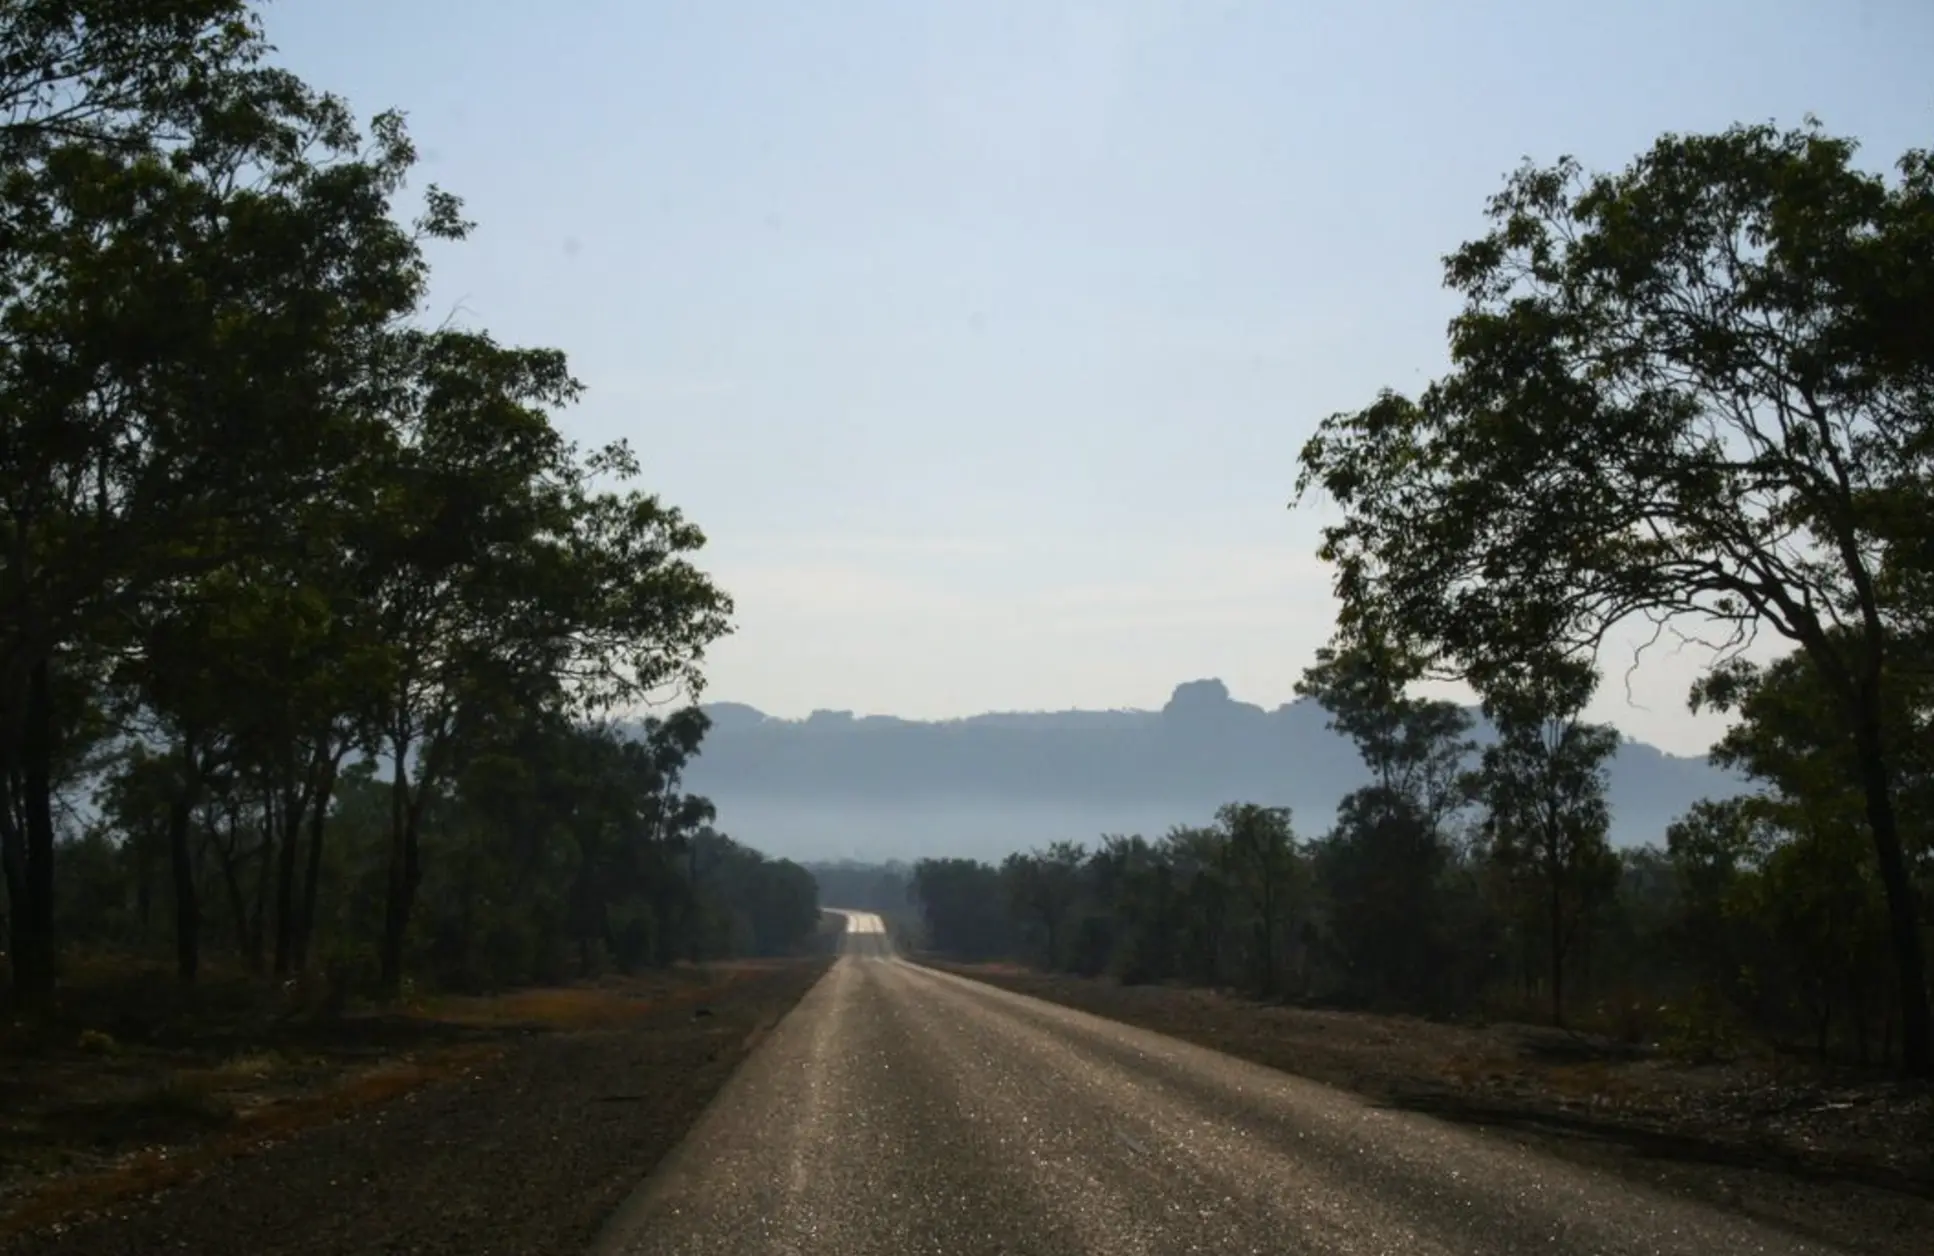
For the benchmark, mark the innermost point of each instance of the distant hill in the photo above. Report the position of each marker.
(877, 787)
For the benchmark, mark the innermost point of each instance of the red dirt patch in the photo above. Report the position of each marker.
(129, 1090)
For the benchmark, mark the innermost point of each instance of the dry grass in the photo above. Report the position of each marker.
(1596, 1084)
(567, 1008)
(609, 1004)
(998, 968)
(603, 1107)
(135, 1087)
(158, 1168)
(1591, 1083)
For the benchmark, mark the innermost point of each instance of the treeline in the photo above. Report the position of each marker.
(311, 619)
(564, 850)
(1699, 392)
(881, 888)
(1470, 880)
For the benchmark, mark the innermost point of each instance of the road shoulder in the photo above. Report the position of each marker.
(525, 1153)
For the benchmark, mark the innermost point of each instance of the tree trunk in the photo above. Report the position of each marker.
(144, 877)
(1903, 910)
(396, 913)
(664, 950)
(466, 916)
(232, 882)
(318, 818)
(1557, 951)
(187, 901)
(259, 915)
(1527, 955)
(1585, 935)
(585, 889)
(289, 834)
(404, 872)
(1268, 934)
(33, 910)
(695, 915)
(13, 859)
(1860, 1014)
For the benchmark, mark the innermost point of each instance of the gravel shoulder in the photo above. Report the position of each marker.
(525, 1149)
(1845, 1159)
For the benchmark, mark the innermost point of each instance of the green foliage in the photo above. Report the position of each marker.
(1543, 785)
(1384, 867)
(1415, 748)
(963, 907)
(1762, 920)
(259, 528)
(1694, 390)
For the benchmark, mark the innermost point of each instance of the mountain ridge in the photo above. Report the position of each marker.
(835, 784)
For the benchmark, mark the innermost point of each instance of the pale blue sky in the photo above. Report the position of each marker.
(981, 338)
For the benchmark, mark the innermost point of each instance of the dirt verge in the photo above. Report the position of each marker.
(1843, 1158)
(519, 1133)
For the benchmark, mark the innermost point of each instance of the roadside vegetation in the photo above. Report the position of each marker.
(321, 645)
(406, 1133)
(1696, 394)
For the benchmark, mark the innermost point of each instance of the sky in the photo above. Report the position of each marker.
(981, 338)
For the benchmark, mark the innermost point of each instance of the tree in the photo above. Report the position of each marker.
(1711, 848)
(491, 567)
(1817, 887)
(468, 475)
(1262, 845)
(254, 519)
(1780, 739)
(1205, 889)
(1415, 748)
(962, 906)
(1543, 781)
(1381, 865)
(1043, 888)
(107, 72)
(190, 244)
(1139, 886)
(1678, 392)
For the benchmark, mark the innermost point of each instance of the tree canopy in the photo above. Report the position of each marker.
(305, 593)
(1695, 391)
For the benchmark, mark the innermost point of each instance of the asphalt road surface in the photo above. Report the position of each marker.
(898, 1110)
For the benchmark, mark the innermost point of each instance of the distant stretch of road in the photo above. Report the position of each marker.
(899, 1110)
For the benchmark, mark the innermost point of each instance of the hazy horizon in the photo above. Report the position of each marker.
(1605, 711)
(981, 340)
(1004, 781)
(1022, 713)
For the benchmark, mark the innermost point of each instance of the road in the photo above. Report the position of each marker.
(898, 1110)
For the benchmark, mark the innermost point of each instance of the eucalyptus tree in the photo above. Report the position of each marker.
(1698, 390)
(192, 240)
(1263, 855)
(1543, 786)
(493, 568)
(1382, 864)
